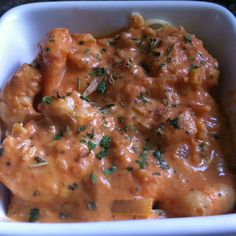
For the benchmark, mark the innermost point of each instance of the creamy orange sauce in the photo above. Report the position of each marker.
(95, 123)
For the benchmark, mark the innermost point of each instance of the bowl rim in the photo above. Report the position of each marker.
(199, 225)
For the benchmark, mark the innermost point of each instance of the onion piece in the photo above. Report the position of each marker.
(92, 86)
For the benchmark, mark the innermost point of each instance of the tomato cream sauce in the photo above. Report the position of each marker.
(121, 127)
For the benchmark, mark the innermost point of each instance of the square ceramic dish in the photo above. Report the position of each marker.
(23, 27)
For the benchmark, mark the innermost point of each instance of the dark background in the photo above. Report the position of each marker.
(7, 4)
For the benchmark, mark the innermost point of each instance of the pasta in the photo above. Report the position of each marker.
(120, 127)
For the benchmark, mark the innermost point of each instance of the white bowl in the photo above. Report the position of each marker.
(23, 27)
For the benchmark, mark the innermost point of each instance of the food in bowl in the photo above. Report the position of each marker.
(120, 127)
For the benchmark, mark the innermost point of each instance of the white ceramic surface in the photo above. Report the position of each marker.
(23, 27)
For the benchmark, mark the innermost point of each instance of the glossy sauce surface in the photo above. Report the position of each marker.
(120, 118)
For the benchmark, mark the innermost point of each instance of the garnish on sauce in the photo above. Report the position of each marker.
(34, 214)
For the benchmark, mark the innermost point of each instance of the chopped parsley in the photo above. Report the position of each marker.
(169, 50)
(73, 187)
(47, 100)
(159, 156)
(202, 147)
(34, 214)
(187, 38)
(91, 135)
(106, 109)
(162, 65)
(85, 98)
(86, 50)
(105, 142)
(192, 67)
(58, 135)
(80, 129)
(98, 57)
(121, 119)
(145, 67)
(62, 216)
(142, 98)
(142, 162)
(156, 54)
(40, 159)
(103, 50)
(102, 153)
(98, 71)
(160, 130)
(153, 43)
(129, 168)
(174, 122)
(91, 206)
(91, 146)
(102, 87)
(110, 170)
(94, 178)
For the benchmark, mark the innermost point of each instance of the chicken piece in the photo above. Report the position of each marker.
(54, 51)
(71, 110)
(16, 102)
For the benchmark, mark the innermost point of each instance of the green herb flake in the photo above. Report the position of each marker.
(142, 98)
(103, 50)
(102, 87)
(86, 50)
(80, 129)
(85, 98)
(98, 71)
(73, 187)
(34, 214)
(153, 43)
(62, 216)
(111, 170)
(202, 147)
(193, 67)
(40, 159)
(187, 38)
(160, 130)
(91, 135)
(145, 67)
(98, 57)
(169, 50)
(162, 65)
(129, 168)
(47, 100)
(142, 162)
(106, 109)
(156, 54)
(91, 206)
(103, 153)
(121, 119)
(105, 142)
(94, 178)
(58, 136)
(82, 141)
(159, 156)
(91, 146)
(174, 122)
(48, 49)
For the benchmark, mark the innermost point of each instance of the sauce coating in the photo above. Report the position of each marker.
(121, 127)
